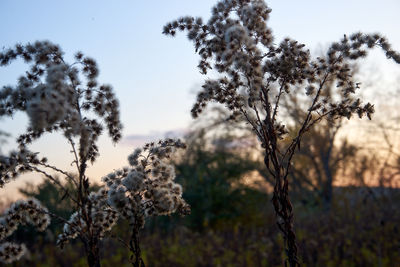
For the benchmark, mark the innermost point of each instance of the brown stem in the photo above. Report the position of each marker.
(92, 253)
(136, 258)
(284, 211)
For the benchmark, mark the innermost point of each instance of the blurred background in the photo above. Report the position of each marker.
(345, 179)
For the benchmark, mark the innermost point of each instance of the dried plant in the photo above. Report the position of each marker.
(20, 212)
(66, 98)
(237, 43)
(146, 188)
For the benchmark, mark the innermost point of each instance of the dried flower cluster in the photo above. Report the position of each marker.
(15, 163)
(237, 43)
(65, 98)
(20, 213)
(147, 188)
(102, 216)
(55, 95)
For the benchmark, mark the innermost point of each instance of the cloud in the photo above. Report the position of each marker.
(137, 140)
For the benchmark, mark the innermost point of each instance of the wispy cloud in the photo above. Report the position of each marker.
(141, 139)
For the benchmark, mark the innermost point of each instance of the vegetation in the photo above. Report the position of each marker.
(276, 132)
(254, 74)
(359, 229)
(66, 98)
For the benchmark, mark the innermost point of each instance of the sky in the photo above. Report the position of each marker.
(155, 76)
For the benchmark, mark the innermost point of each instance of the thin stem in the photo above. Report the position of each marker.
(55, 181)
(136, 258)
(69, 176)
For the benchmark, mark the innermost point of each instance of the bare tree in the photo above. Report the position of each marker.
(322, 156)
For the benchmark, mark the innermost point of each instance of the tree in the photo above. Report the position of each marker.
(254, 73)
(319, 161)
(212, 171)
(322, 156)
(381, 150)
(66, 98)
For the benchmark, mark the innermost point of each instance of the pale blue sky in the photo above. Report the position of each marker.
(152, 74)
(155, 76)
